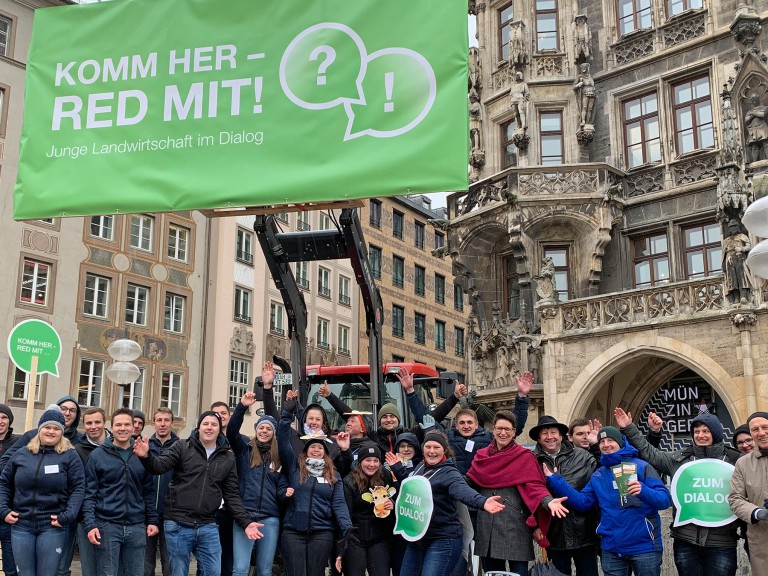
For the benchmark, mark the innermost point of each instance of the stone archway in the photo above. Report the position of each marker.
(600, 370)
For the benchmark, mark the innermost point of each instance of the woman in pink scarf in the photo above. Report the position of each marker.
(508, 470)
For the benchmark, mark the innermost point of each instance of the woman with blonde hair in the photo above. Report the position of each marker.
(41, 490)
(262, 486)
(316, 506)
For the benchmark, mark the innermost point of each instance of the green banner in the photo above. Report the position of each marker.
(700, 493)
(413, 509)
(162, 105)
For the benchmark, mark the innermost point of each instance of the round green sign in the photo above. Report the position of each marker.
(413, 508)
(700, 493)
(35, 338)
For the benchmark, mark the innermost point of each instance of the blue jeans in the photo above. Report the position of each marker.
(266, 546)
(9, 566)
(87, 552)
(201, 540)
(584, 558)
(693, 560)
(645, 564)
(37, 547)
(68, 551)
(121, 550)
(431, 557)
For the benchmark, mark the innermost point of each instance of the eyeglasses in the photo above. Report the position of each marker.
(503, 429)
(66, 410)
(745, 442)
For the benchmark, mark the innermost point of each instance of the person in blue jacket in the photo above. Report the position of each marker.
(630, 527)
(262, 486)
(439, 549)
(119, 506)
(41, 491)
(316, 506)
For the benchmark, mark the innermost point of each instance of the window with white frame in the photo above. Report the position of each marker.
(324, 282)
(344, 294)
(242, 304)
(276, 318)
(34, 282)
(136, 301)
(5, 34)
(170, 392)
(302, 221)
(142, 227)
(90, 382)
(132, 393)
(343, 341)
(239, 379)
(102, 227)
(174, 312)
(322, 333)
(178, 236)
(21, 385)
(302, 275)
(96, 298)
(244, 251)
(325, 221)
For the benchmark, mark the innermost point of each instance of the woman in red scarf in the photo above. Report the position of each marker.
(511, 471)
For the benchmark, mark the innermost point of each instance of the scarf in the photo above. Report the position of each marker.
(514, 466)
(264, 447)
(315, 467)
(308, 431)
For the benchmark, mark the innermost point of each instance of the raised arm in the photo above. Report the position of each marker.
(236, 422)
(661, 461)
(287, 455)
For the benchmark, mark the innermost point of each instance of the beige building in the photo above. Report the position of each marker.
(614, 150)
(425, 317)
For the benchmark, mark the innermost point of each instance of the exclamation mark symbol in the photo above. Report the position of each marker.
(257, 85)
(389, 83)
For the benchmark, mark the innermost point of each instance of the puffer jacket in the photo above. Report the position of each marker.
(315, 505)
(668, 463)
(632, 529)
(39, 485)
(576, 466)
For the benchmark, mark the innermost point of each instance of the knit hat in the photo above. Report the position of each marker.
(315, 439)
(204, 415)
(368, 450)
(266, 419)
(611, 432)
(7, 411)
(140, 415)
(390, 408)
(743, 429)
(757, 415)
(435, 436)
(711, 422)
(52, 416)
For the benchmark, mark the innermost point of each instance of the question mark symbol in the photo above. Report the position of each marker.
(329, 57)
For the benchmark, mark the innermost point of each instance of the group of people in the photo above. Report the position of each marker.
(328, 500)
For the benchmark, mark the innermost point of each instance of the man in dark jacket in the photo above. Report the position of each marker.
(7, 439)
(204, 472)
(119, 505)
(571, 537)
(698, 550)
(159, 442)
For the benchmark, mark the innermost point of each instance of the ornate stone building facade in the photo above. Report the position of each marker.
(615, 145)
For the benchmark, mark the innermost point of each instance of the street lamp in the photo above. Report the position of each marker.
(123, 371)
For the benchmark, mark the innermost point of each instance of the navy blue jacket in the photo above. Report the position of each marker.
(39, 485)
(315, 504)
(162, 481)
(117, 491)
(447, 485)
(634, 528)
(260, 486)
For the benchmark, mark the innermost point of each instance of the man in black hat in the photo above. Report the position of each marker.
(571, 537)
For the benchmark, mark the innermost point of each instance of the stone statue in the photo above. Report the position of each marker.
(735, 249)
(475, 123)
(756, 123)
(518, 55)
(518, 101)
(545, 281)
(581, 39)
(585, 91)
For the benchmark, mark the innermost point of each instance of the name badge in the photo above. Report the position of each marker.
(321, 480)
(469, 445)
(52, 469)
(615, 486)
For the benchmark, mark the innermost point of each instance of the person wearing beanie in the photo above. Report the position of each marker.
(262, 488)
(41, 491)
(7, 439)
(139, 421)
(574, 537)
(742, 439)
(204, 474)
(697, 549)
(369, 491)
(316, 507)
(630, 525)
